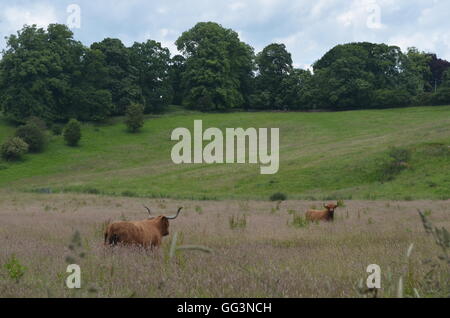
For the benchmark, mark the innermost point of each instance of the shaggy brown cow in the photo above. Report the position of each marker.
(322, 215)
(147, 233)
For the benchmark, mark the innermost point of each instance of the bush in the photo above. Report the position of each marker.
(36, 121)
(14, 269)
(33, 136)
(237, 222)
(441, 97)
(423, 99)
(14, 149)
(384, 98)
(134, 117)
(278, 197)
(299, 221)
(72, 132)
(396, 162)
(57, 129)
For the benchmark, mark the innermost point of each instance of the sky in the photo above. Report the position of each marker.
(308, 28)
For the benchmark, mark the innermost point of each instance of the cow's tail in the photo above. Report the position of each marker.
(106, 237)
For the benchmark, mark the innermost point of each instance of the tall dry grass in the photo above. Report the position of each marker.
(269, 257)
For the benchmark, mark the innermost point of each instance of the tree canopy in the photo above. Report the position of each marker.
(46, 73)
(217, 67)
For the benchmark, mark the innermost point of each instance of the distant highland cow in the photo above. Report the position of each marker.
(322, 215)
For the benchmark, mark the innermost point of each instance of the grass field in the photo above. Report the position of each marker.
(259, 248)
(266, 256)
(323, 156)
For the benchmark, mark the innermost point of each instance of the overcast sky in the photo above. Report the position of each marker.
(308, 28)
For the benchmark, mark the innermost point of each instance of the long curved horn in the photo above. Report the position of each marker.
(149, 212)
(175, 216)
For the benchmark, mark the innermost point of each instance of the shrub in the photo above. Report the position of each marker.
(278, 197)
(14, 149)
(72, 132)
(384, 98)
(237, 222)
(57, 129)
(14, 269)
(441, 97)
(299, 221)
(396, 162)
(129, 194)
(33, 136)
(37, 122)
(134, 117)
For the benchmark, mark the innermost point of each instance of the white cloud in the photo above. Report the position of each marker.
(237, 6)
(14, 18)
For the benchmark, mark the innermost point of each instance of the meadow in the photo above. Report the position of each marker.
(257, 249)
(323, 155)
(383, 166)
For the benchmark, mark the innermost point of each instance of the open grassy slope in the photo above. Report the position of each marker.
(323, 156)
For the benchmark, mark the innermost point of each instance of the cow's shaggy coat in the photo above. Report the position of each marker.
(146, 233)
(322, 215)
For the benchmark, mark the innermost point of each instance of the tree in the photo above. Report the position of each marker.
(13, 149)
(151, 63)
(33, 136)
(347, 76)
(120, 78)
(177, 68)
(46, 73)
(134, 117)
(415, 71)
(274, 65)
(72, 133)
(438, 67)
(296, 91)
(216, 67)
(90, 98)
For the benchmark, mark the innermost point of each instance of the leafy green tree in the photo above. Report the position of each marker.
(296, 91)
(151, 63)
(177, 68)
(13, 149)
(90, 98)
(347, 76)
(72, 133)
(134, 117)
(33, 136)
(274, 64)
(121, 80)
(47, 74)
(416, 72)
(216, 67)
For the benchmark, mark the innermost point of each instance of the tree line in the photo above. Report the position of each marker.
(46, 73)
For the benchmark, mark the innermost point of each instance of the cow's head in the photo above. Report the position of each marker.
(331, 207)
(163, 225)
(162, 222)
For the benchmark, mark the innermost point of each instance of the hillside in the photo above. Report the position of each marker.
(323, 156)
